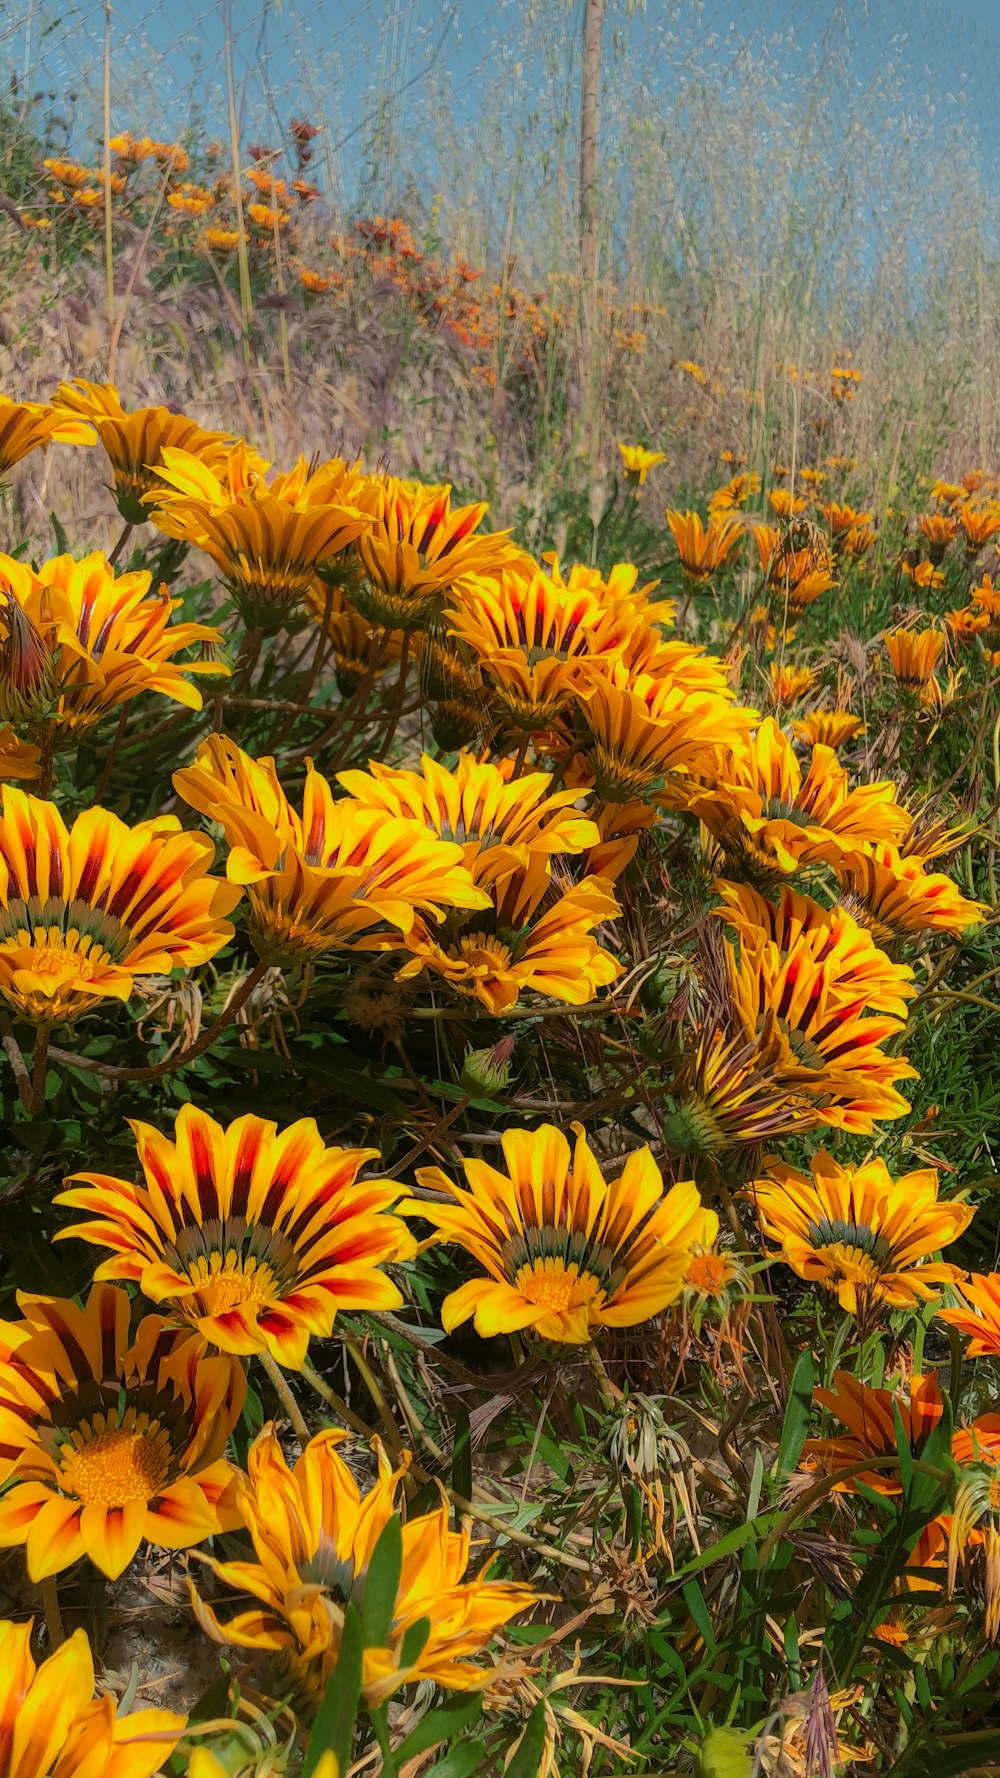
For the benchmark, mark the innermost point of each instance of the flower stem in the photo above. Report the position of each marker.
(279, 1384)
(53, 1616)
(181, 1057)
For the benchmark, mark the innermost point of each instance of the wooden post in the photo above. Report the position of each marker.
(590, 118)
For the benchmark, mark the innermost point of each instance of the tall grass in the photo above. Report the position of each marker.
(762, 206)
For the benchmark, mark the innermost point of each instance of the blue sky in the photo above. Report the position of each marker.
(329, 59)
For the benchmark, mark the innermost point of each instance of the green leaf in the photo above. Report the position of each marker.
(382, 1584)
(414, 1642)
(446, 1723)
(461, 1454)
(694, 1599)
(333, 1729)
(798, 1411)
(460, 1762)
(528, 1757)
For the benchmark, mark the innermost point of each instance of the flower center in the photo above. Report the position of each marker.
(551, 1285)
(706, 1271)
(221, 1290)
(49, 959)
(114, 1468)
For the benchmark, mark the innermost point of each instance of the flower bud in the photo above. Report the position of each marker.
(486, 1073)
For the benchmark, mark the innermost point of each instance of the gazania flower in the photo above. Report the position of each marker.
(844, 383)
(106, 1441)
(637, 462)
(767, 817)
(817, 980)
(532, 938)
(79, 641)
(951, 494)
(84, 910)
(255, 1237)
(27, 426)
(734, 494)
(417, 550)
(938, 530)
(538, 639)
(897, 898)
(714, 1280)
(647, 736)
(798, 577)
(859, 1233)
(978, 524)
(729, 1092)
(269, 543)
(339, 876)
(359, 651)
(52, 1726)
(986, 597)
(842, 518)
(703, 549)
(786, 504)
(787, 684)
(977, 1314)
(564, 1250)
(857, 541)
(922, 576)
(314, 1534)
(869, 1415)
(501, 823)
(967, 623)
(135, 441)
(828, 728)
(913, 655)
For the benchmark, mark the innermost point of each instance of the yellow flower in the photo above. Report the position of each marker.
(223, 240)
(27, 426)
(896, 898)
(978, 1314)
(938, 530)
(52, 1726)
(828, 728)
(255, 1237)
(314, 1535)
(734, 493)
(842, 518)
(815, 980)
(913, 654)
(786, 504)
(564, 1250)
(703, 549)
(264, 217)
(787, 684)
(135, 441)
(340, 876)
(730, 1092)
(501, 823)
(533, 938)
(693, 370)
(949, 493)
(967, 623)
(637, 462)
(416, 550)
(107, 1441)
(844, 383)
(77, 641)
(979, 524)
(84, 910)
(859, 1233)
(796, 577)
(539, 639)
(923, 576)
(644, 738)
(768, 817)
(268, 542)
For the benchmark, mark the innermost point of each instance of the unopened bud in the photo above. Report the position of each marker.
(486, 1073)
(27, 667)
